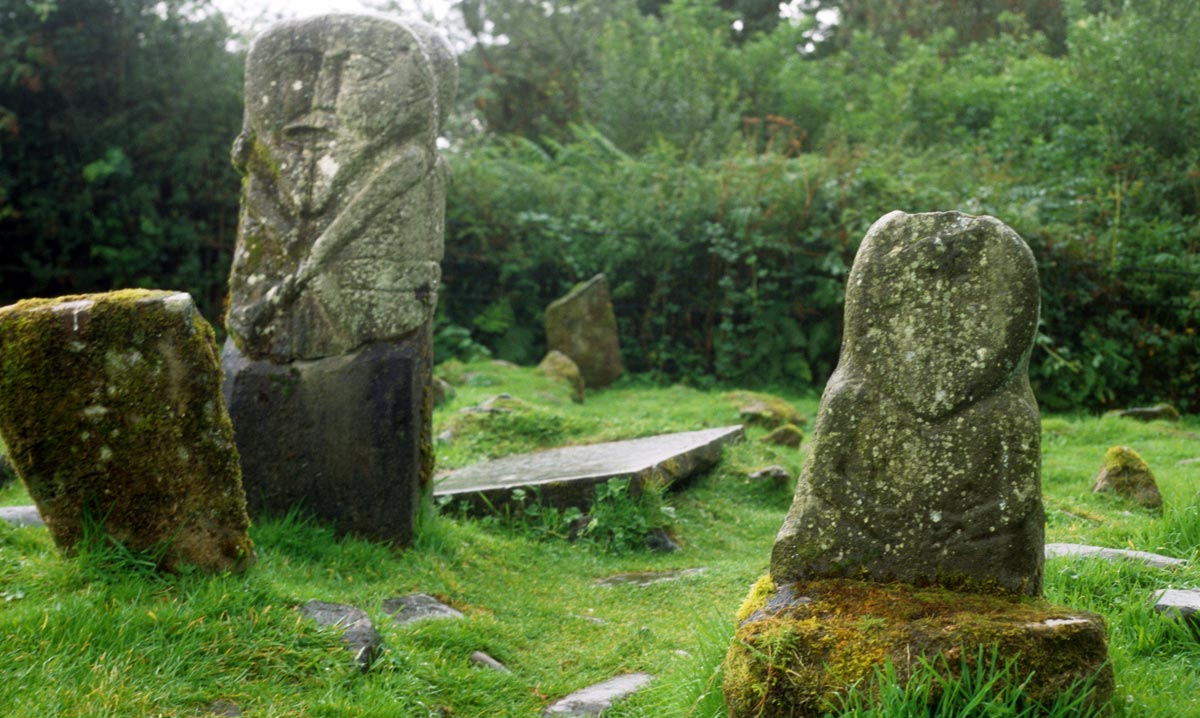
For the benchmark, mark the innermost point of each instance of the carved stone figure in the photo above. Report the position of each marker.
(335, 276)
(343, 212)
(925, 462)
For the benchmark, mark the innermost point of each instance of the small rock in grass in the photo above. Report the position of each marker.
(1165, 412)
(786, 435)
(1126, 474)
(595, 699)
(660, 540)
(774, 473)
(417, 607)
(1183, 603)
(224, 709)
(1075, 550)
(765, 410)
(557, 365)
(482, 659)
(358, 632)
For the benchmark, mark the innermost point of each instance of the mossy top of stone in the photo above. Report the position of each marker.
(1127, 474)
(761, 409)
(787, 435)
(106, 400)
(925, 459)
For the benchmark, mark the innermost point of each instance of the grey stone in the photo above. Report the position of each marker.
(642, 579)
(482, 659)
(345, 437)
(568, 476)
(358, 632)
(925, 461)
(595, 699)
(788, 435)
(21, 516)
(341, 231)
(660, 540)
(417, 607)
(1164, 412)
(582, 325)
(112, 411)
(774, 473)
(1075, 550)
(1126, 474)
(1183, 603)
(560, 366)
(224, 709)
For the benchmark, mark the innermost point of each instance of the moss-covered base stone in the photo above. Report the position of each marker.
(557, 365)
(1126, 474)
(766, 410)
(799, 646)
(111, 408)
(345, 438)
(583, 326)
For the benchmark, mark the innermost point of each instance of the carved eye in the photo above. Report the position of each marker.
(363, 67)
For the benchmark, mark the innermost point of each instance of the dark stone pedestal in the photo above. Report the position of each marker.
(344, 438)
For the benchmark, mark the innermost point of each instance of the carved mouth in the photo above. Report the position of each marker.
(312, 127)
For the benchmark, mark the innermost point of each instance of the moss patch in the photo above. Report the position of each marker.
(809, 642)
(1126, 474)
(111, 407)
(765, 410)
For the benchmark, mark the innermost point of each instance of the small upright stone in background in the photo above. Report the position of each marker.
(110, 405)
(1126, 474)
(335, 276)
(582, 325)
(560, 366)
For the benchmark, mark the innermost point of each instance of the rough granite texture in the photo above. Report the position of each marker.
(925, 460)
(582, 325)
(110, 405)
(342, 223)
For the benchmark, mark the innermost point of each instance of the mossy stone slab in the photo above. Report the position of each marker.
(583, 326)
(110, 405)
(925, 457)
(801, 645)
(568, 476)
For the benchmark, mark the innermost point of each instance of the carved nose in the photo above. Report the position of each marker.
(329, 81)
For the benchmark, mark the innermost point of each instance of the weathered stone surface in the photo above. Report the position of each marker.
(417, 607)
(1181, 603)
(1164, 412)
(347, 438)
(224, 709)
(594, 700)
(568, 476)
(110, 405)
(1074, 550)
(788, 435)
(1126, 474)
(560, 366)
(774, 473)
(342, 223)
(358, 632)
(642, 579)
(768, 410)
(483, 660)
(582, 325)
(925, 459)
(831, 634)
(21, 516)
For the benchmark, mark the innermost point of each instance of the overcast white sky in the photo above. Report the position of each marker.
(257, 14)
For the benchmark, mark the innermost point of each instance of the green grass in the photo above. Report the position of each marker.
(78, 637)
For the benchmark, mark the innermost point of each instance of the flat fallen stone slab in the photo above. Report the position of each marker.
(21, 516)
(1184, 603)
(1071, 550)
(641, 579)
(595, 699)
(568, 476)
(417, 607)
(358, 633)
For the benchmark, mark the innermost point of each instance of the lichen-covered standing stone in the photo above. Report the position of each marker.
(925, 461)
(110, 405)
(335, 277)
(583, 326)
(1126, 473)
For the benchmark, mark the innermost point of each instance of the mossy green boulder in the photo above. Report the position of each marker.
(801, 646)
(767, 410)
(583, 326)
(557, 365)
(1126, 474)
(111, 408)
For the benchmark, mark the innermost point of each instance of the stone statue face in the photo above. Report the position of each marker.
(941, 309)
(325, 95)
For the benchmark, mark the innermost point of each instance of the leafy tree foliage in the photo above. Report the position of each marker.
(116, 118)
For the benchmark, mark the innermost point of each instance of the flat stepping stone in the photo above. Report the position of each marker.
(483, 660)
(641, 579)
(21, 516)
(417, 607)
(594, 700)
(358, 632)
(568, 476)
(1177, 602)
(1072, 550)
